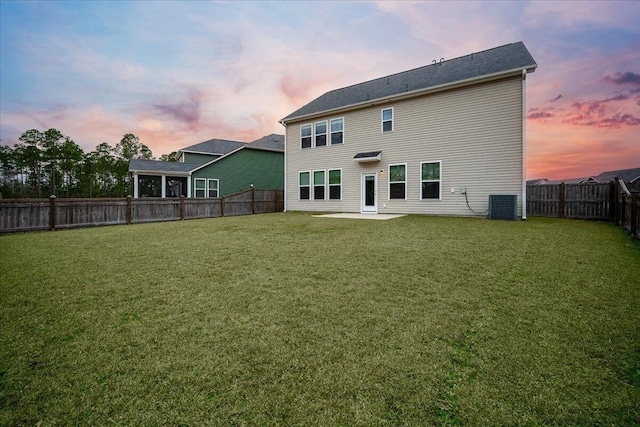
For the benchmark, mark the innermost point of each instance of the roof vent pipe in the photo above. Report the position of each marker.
(434, 62)
(441, 59)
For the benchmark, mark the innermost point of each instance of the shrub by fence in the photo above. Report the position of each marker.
(53, 214)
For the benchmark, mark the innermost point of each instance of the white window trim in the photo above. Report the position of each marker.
(311, 136)
(326, 133)
(330, 141)
(209, 187)
(310, 185)
(196, 189)
(431, 180)
(382, 120)
(406, 184)
(324, 184)
(329, 183)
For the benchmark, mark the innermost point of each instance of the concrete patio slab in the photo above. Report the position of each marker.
(379, 217)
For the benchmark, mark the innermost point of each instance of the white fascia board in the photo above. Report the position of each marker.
(411, 94)
(159, 173)
(208, 153)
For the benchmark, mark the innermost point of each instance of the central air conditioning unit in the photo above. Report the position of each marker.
(503, 206)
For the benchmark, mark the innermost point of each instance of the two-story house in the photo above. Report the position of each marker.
(438, 139)
(213, 168)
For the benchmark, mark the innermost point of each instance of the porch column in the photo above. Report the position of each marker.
(164, 186)
(189, 186)
(135, 185)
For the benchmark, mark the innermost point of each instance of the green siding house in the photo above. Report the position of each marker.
(214, 168)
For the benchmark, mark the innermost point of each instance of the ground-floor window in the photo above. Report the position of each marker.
(430, 180)
(213, 188)
(335, 184)
(318, 185)
(304, 185)
(206, 187)
(397, 181)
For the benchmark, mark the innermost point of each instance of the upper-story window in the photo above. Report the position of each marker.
(305, 136)
(321, 134)
(387, 120)
(337, 131)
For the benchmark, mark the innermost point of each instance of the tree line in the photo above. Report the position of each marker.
(49, 163)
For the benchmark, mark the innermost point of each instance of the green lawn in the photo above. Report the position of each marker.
(286, 319)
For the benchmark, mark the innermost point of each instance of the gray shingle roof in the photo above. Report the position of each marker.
(510, 57)
(627, 175)
(214, 146)
(273, 142)
(158, 166)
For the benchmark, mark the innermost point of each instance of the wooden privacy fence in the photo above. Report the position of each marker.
(53, 214)
(609, 202)
(582, 201)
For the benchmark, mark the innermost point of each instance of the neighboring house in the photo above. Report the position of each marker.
(539, 181)
(631, 177)
(213, 168)
(434, 140)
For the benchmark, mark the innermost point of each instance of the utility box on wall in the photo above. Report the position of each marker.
(503, 206)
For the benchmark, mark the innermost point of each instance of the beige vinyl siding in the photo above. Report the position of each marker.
(475, 131)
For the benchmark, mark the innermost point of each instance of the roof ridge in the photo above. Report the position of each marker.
(421, 67)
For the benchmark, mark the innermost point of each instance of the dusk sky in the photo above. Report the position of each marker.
(179, 73)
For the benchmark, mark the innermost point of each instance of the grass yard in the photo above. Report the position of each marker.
(286, 319)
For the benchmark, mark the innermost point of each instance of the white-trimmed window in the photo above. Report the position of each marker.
(305, 136)
(337, 131)
(206, 187)
(430, 180)
(304, 185)
(398, 181)
(321, 134)
(387, 120)
(213, 186)
(335, 184)
(319, 183)
(200, 187)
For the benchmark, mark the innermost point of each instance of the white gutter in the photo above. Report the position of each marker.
(158, 173)
(414, 93)
(524, 144)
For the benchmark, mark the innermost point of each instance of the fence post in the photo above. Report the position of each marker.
(612, 202)
(129, 202)
(253, 200)
(222, 206)
(52, 213)
(561, 202)
(634, 213)
(181, 208)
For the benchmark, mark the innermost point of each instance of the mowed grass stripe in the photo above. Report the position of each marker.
(286, 319)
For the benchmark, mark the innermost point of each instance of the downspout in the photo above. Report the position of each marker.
(524, 145)
(285, 166)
